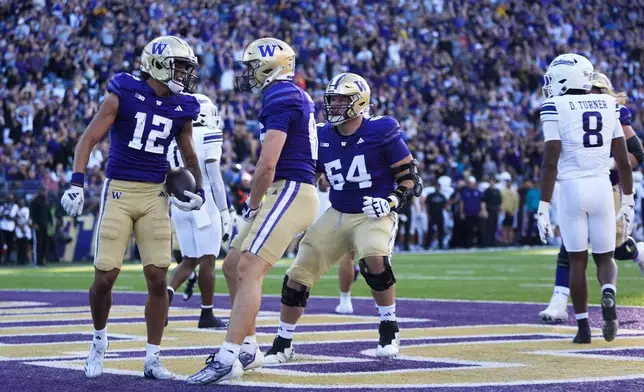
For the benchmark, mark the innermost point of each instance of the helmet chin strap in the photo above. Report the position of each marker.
(174, 86)
(269, 80)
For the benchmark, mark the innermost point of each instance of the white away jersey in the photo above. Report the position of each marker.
(208, 144)
(586, 125)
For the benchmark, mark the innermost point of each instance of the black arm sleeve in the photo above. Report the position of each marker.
(634, 146)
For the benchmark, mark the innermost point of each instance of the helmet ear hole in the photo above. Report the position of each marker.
(267, 71)
(562, 81)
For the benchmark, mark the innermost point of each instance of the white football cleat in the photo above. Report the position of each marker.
(389, 344)
(251, 361)
(156, 370)
(557, 310)
(281, 352)
(640, 257)
(344, 308)
(94, 362)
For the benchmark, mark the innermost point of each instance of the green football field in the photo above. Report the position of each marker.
(520, 275)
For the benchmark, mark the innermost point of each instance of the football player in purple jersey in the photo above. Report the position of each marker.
(142, 116)
(372, 175)
(283, 200)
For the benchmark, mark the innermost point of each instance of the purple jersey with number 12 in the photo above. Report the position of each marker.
(144, 127)
(360, 164)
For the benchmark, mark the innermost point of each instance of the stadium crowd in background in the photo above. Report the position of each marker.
(463, 77)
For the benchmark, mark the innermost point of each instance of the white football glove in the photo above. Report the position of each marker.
(73, 200)
(226, 224)
(543, 221)
(195, 202)
(627, 213)
(375, 207)
(249, 214)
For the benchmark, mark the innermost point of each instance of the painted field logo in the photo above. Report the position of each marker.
(445, 345)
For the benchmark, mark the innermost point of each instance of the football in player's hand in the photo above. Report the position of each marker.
(178, 180)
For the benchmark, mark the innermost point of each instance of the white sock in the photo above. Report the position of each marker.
(151, 352)
(100, 337)
(171, 289)
(387, 313)
(345, 297)
(250, 344)
(285, 330)
(228, 352)
(560, 290)
(580, 316)
(192, 276)
(609, 286)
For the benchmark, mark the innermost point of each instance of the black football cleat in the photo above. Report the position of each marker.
(609, 313)
(583, 336)
(190, 286)
(208, 320)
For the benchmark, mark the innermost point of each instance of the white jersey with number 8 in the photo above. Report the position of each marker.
(586, 126)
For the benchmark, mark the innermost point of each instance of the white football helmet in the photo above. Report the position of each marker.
(208, 114)
(568, 71)
(171, 61)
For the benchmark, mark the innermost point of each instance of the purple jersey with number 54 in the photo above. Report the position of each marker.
(360, 164)
(144, 127)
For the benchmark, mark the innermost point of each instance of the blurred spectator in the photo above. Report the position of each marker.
(436, 203)
(509, 208)
(23, 231)
(8, 225)
(492, 200)
(42, 219)
(471, 213)
(531, 207)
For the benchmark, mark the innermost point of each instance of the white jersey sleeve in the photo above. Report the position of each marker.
(174, 155)
(586, 124)
(213, 141)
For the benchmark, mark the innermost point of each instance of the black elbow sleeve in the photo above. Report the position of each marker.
(634, 146)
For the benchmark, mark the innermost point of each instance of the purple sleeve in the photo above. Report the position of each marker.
(115, 85)
(319, 167)
(281, 121)
(396, 151)
(625, 115)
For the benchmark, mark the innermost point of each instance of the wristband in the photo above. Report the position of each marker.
(78, 179)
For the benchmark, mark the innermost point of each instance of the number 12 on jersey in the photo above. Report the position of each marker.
(150, 144)
(357, 173)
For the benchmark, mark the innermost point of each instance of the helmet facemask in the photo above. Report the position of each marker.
(247, 81)
(175, 72)
(339, 108)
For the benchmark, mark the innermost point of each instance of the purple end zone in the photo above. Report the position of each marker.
(18, 376)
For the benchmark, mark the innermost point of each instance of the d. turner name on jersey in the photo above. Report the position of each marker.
(597, 104)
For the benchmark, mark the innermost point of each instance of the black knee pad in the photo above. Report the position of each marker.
(381, 281)
(626, 251)
(562, 258)
(292, 297)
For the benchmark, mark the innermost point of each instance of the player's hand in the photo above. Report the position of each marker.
(375, 207)
(195, 202)
(73, 200)
(226, 225)
(249, 214)
(543, 221)
(627, 213)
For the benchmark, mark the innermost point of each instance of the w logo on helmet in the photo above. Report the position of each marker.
(158, 48)
(267, 50)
